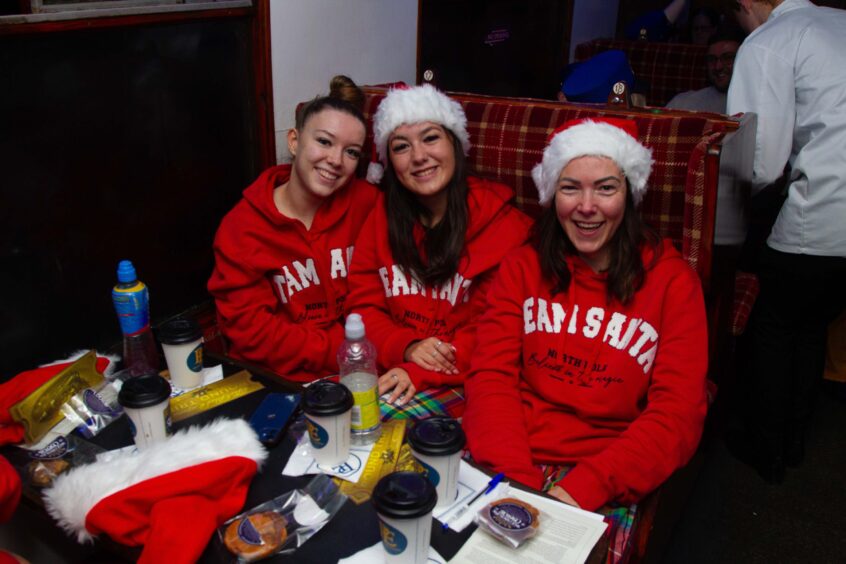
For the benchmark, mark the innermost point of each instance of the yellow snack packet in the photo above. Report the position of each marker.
(42, 409)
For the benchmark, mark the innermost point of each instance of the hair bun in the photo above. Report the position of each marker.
(343, 88)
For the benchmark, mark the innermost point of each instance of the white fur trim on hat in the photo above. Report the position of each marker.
(75, 493)
(413, 105)
(599, 139)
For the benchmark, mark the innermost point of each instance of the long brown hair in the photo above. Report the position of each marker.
(626, 270)
(442, 243)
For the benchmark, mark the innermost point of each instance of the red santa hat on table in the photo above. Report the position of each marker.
(409, 105)
(597, 137)
(169, 497)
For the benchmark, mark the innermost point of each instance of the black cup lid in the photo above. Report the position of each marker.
(437, 436)
(143, 391)
(179, 330)
(327, 398)
(404, 495)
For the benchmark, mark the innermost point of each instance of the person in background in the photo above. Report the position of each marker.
(588, 380)
(719, 62)
(591, 81)
(426, 255)
(791, 72)
(282, 254)
(704, 22)
(656, 25)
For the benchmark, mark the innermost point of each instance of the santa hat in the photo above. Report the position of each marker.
(409, 105)
(169, 497)
(598, 137)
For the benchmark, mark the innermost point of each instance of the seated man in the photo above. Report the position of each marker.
(722, 48)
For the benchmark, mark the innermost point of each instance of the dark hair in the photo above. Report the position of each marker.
(726, 32)
(442, 243)
(710, 13)
(626, 271)
(343, 96)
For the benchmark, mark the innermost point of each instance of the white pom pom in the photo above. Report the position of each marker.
(375, 171)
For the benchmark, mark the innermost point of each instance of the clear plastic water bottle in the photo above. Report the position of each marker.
(357, 362)
(132, 304)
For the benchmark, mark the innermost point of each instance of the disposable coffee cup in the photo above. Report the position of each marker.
(182, 343)
(328, 410)
(404, 503)
(146, 401)
(437, 443)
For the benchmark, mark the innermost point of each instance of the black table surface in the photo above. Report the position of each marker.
(353, 528)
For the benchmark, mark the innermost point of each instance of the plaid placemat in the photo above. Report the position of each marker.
(746, 288)
(620, 518)
(434, 401)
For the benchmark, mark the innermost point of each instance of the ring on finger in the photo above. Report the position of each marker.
(438, 344)
(395, 377)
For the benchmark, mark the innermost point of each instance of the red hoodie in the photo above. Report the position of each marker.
(397, 310)
(618, 391)
(279, 288)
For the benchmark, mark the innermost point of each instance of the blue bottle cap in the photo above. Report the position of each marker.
(126, 272)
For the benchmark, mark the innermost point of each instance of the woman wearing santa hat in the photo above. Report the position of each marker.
(282, 254)
(426, 255)
(588, 379)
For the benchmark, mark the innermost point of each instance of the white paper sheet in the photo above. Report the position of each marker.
(376, 555)
(302, 462)
(567, 536)
(470, 481)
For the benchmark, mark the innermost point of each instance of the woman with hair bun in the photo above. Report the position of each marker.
(282, 254)
(427, 253)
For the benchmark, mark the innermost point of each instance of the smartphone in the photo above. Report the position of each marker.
(271, 417)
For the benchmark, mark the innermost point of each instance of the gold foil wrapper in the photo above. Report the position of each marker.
(42, 409)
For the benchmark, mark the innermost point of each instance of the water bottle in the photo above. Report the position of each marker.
(132, 304)
(357, 361)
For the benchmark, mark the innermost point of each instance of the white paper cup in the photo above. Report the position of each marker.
(328, 410)
(182, 343)
(146, 401)
(404, 503)
(437, 443)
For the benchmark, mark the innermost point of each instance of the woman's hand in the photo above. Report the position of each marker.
(432, 354)
(399, 381)
(560, 493)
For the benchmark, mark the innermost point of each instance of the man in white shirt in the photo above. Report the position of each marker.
(791, 71)
(719, 61)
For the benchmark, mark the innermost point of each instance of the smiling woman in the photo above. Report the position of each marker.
(588, 379)
(282, 254)
(421, 287)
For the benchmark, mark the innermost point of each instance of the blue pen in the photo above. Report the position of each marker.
(484, 491)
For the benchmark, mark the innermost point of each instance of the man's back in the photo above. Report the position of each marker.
(792, 72)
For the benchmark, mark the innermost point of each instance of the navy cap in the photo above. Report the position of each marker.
(591, 80)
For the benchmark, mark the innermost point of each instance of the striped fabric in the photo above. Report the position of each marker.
(434, 401)
(746, 289)
(667, 68)
(620, 519)
(509, 134)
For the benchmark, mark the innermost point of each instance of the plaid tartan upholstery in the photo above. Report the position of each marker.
(668, 68)
(443, 400)
(508, 136)
(746, 289)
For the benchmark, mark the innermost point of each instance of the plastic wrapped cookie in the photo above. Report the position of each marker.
(511, 520)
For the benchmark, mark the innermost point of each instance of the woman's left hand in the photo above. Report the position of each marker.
(432, 354)
(398, 380)
(560, 493)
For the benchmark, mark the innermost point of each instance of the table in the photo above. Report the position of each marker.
(354, 528)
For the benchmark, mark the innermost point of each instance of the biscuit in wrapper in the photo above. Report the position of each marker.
(511, 520)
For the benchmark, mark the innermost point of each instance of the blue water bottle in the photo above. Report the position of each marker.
(132, 304)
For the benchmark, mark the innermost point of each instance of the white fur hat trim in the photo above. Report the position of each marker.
(75, 493)
(598, 139)
(413, 105)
